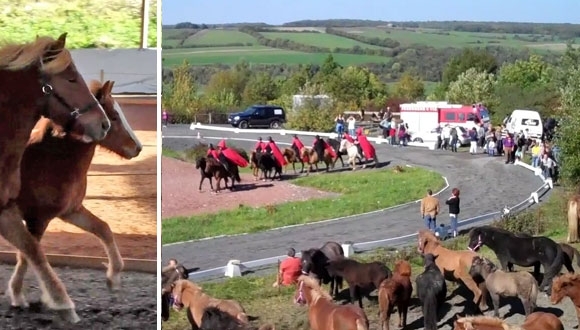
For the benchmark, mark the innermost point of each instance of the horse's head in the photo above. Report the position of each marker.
(121, 139)
(200, 163)
(564, 286)
(476, 239)
(427, 241)
(344, 144)
(403, 268)
(177, 292)
(307, 261)
(67, 98)
(429, 259)
(477, 266)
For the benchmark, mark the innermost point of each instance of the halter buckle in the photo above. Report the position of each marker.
(47, 89)
(76, 113)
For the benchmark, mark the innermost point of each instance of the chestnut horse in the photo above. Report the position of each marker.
(323, 314)
(567, 285)
(535, 321)
(396, 291)
(50, 156)
(40, 78)
(292, 157)
(454, 265)
(311, 157)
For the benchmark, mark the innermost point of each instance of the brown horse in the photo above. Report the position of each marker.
(535, 321)
(51, 155)
(213, 318)
(187, 294)
(506, 284)
(40, 78)
(214, 168)
(292, 157)
(323, 314)
(454, 265)
(567, 285)
(312, 158)
(170, 275)
(396, 291)
(573, 218)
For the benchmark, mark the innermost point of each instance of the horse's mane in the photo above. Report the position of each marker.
(15, 56)
(564, 278)
(317, 291)
(485, 320)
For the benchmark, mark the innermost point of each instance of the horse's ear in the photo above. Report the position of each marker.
(59, 43)
(107, 88)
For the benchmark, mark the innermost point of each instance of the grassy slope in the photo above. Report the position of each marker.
(256, 294)
(219, 37)
(318, 39)
(394, 188)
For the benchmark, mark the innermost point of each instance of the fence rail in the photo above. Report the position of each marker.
(359, 247)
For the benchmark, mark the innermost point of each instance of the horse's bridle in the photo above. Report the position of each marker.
(48, 92)
(301, 300)
(478, 245)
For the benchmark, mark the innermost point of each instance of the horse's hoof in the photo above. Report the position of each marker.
(69, 315)
(114, 282)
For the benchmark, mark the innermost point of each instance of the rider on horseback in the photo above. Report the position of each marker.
(219, 156)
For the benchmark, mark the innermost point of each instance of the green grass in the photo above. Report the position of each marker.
(219, 37)
(271, 305)
(375, 189)
(318, 39)
(260, 55)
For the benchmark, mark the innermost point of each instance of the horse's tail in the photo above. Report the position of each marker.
(572, 221)
(555, 266)
(362, 324)
(430, 310)
(533, 295)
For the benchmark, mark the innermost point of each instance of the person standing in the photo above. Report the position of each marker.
(454, 139)
(473, 141)
(164, 117)
(453, 203)
(290, 269)
(339, 121)
(351, 125)
(429, 210)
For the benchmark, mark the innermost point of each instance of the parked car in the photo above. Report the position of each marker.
(431, 136)
(271, 116)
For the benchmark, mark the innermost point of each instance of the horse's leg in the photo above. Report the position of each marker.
(495, 301)
(210, 183)
(403, 308)
(54, 294)
(352, 291)
(89, 222)
(471, 285)
(527, 305)
(537, 270)
(201, 182)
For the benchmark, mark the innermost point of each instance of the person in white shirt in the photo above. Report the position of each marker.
(445, 135)
(548, 165)
(351, 125)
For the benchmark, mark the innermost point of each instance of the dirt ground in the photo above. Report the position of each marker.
(122, 193)
(180, 195)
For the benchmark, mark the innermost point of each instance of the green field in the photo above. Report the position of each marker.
(258, 55)
(218, 37)
(318, 39)
(262, 55)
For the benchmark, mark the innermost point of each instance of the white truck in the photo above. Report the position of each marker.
(525, 120)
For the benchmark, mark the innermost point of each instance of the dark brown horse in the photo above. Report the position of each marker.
(396, 292)
(200, 164)
(315, 261)
(40, 78)
(359, 276)
(214, 168)
(50, 156)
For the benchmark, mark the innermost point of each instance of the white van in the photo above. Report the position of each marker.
(520, 120)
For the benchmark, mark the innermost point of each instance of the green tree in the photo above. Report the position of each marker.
(479, 59)
(181, 96)
(260, 88)
(354, 86)
(410, 87)
(525, 74)
(313, 117)
(567, 137)
(473, 86)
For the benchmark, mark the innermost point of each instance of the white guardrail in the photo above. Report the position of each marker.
(237, 268)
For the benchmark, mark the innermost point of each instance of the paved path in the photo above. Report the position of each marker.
(486, 185)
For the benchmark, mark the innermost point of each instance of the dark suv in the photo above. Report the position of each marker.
(271, 116)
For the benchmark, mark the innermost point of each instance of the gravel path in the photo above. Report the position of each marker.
(135, 307)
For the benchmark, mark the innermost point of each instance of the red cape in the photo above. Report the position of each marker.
(213, 153)
(235, 157)
(260, 144)
(299, 145)
(366, 146)
(277, 153)
(348, 138)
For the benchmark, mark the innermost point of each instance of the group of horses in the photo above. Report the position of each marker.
(265, 166)
(44, 175)
(328, 266)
